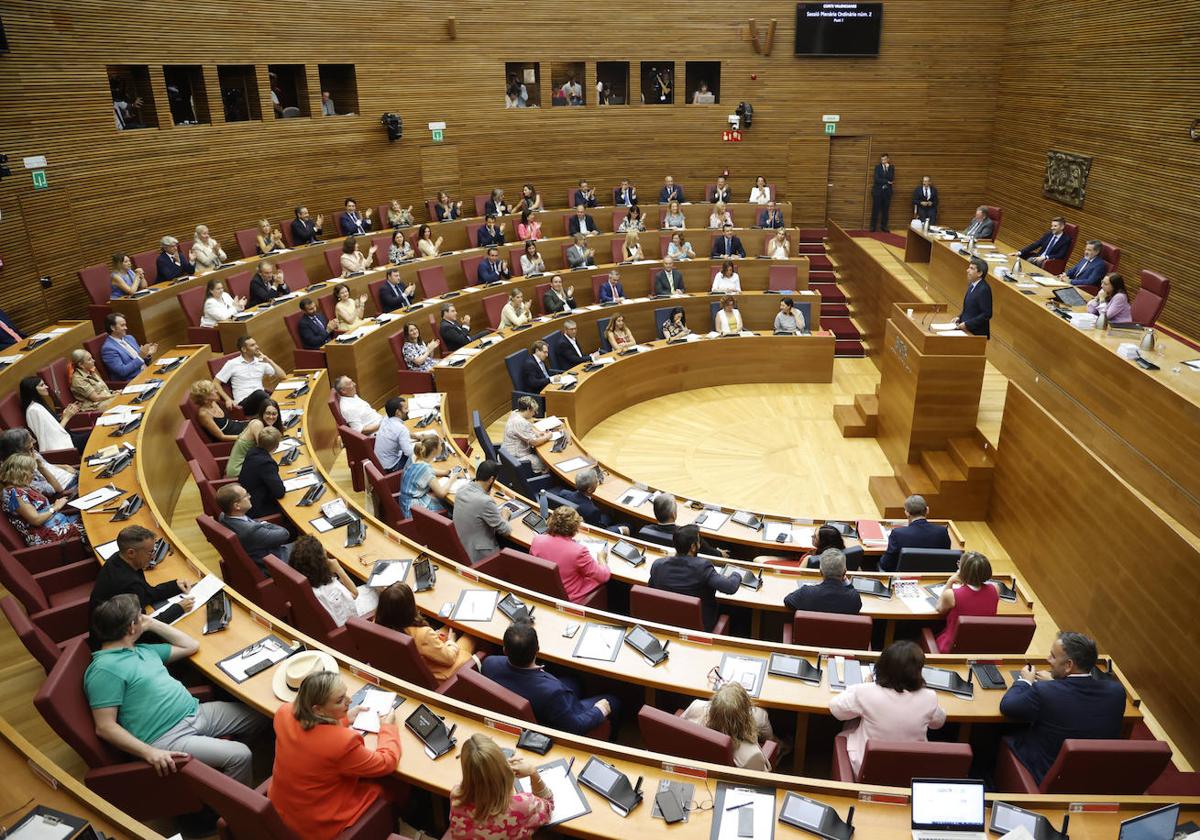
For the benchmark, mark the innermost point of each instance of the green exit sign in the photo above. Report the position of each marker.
(39, 180)
(831, 128)
(437, 135)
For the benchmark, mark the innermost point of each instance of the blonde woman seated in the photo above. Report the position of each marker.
(442, 651)
(631, 249)
(125, 279)
(427, 246)
(330, 583)
(727, 281)
(680, 249)
(531, 261)
(352, 261)
(88, 389)
(779, 247)
(521, 437)
(729, 319)
(483, 805)
(731, 712)
(445, 209)
(269, 239)
(423, 484)
(350, 312)
(581, 574)
(219, 305)
(619, 336)
(632, 221)
(719, 216)
(398, 216)
(674, 217)
(207, 396)
(516, 311)
(207, 254)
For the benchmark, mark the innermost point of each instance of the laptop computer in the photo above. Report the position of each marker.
(1155, 825)
(948, 809)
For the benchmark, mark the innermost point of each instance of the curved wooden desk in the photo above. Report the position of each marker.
(27, 359)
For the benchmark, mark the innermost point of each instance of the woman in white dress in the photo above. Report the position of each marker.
(219, 305)
(727, 280)
(207, 254)
(761, 193)
(779, 247)
(719, 217)
(729, 320)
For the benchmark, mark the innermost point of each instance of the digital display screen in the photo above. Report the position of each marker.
(804, 811)
(939, 802)
(846, 29)
(1156, 825)
(600, 775)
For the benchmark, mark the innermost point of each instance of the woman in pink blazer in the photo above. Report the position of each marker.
(580, 572)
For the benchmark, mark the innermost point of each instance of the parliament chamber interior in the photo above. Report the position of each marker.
(692, 420)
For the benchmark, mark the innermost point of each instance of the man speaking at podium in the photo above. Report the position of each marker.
(977, 302)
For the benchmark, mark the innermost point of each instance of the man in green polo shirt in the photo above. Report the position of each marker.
(141, 709)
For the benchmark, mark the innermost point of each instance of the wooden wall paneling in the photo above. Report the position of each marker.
(439, 171)
(51, 247)
(22, 297)
(807, 179)
(847, 203)
(1129, 580)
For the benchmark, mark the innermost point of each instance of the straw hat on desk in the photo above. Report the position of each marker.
(292, 671)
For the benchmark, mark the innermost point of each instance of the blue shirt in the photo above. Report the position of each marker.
(393, 443)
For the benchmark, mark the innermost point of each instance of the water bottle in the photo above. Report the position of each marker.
(1148, 339)
(1102, 316)
(925, 225)
(971, 245)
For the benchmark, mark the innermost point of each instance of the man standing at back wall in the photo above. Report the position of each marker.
(881, 192)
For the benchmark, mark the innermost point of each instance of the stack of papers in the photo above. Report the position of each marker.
(288, 414)
(376, 703)
(291, 384)
(106, 550)
(389, 573)
(573, 464)
(285, 444)
(96, 498)
(207, 587)
(567, 379)
(295, 483)
(118, 416)
(138, 388)
(568, 798)
(167, 360)
(548, 423)
(946, 326)
(430, 400)
(594, 547)
(8, 360)
(358, 333)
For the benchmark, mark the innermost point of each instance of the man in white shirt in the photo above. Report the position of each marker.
(356, 411)
(327, 109)
(246, 374)
(572, 91)
(393, 442)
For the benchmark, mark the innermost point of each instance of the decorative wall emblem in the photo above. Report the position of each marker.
(1066, 177)
(900, 348)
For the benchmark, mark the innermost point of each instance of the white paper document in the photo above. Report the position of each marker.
(389, 574)
(572, 464)
(773, 530)
(95, 498)
(117, 418)
(321, 524)
(367, 721)
(296, 482)
(41, 827)
(600, 641)
(567, 379)
(288, 414)
(291, 384)
(138, 388)
(762, 805)
(204, 589)
(476, 605)
(431, 400)
(943, 327)
(635, 497)
(106, 550)
(548, 423)
(378, 700)
(458, 484)
(568, 804)
(713, 519)
(594, 547)
(167, 360)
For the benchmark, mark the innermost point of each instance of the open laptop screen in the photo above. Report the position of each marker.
(955, 804)
(1156, 825)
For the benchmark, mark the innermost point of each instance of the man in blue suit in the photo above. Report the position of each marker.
(1064, 702)
(171, 262)
(491, 233)
(120, 353)
(976, 315)
(1090, 270)
(585, 195)
(670, 192)
(314, 330)
(534, 374)
(625, 195)
(728, 245)
(772, 217)
(612, 291)
(918, 533)
(351, 223)
(395, 293)
(1054, 244)
(493, 268)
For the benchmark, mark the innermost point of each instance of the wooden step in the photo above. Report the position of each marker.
(973, 457)
(867, 404)
(848, 348)
(944, 473)
(914, 481)
(852, 423)
(888, 495)
(812, 234)
(840, 327)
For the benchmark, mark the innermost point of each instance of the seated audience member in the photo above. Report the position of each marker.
(484, 804)
(833, 594)
(1054, 244)
(393, 441)
(719, 217)
(454, 329)
(352, 261)
(9, 334)
(587, 481)
(315, 331)
(687, 574)
(530, 198)
(207, 254)
(1065, 702)
(266, 284)
(516, 95)
(631, 248)
(625, 195)
(248, 372)
(269, 239)
(529, 227)
(125, 573)
(427, 246)
(981, 225)
(398, 216)
(516, 312)
(827, 537)
(532, 263)
(760, 193)
(125, 279)
(478, 520)
(967, 592)
(668, 281)
(521, 437)
(1090, 269)
(350, 313)
(328, 109)
(123, 357)
(674, 217)
(772, 217)
(48, 479)
(581, 222)
(418, 354)
(356, 411)
(555, 699)
(789, 319)
(1114, 300)
(618, 335)
(444, 209)
(535, 375)
(728, 245)
(207, 396)
(351, 222)
(170, 264)
(496, 206)
(442, 651)
(579, 254)
(493, 269)
(567, 348)
(633, 220)
(557, 299)
(400, 249)
(679, 248)
(585, 195)
(305, 229)
(670, 192)
(268, 414)
(395, 293)
(491, 233)
(52, 433)
(423, 484)
(663, 530)
(330, 583)
(731, 712)
(721, 193)
(572, 92)
(141, 710)
(612, 291)
(88, 389)
(38, 520)
(676, 324)
(325, 775)
(581, 573)
(219, 305)
(258, 538)
(780, 247)
(895, 706)
(260, 474)
(726, 280)
(918, 533)
(729, 319)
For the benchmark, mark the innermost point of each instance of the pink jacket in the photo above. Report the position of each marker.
(580, 573)
(884, 714)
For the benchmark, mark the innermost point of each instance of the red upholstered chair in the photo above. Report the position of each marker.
(473, 232)
(239, 284)
(294, 273)
(433, 281)
(193, 448)
(566, 224)
(539, 296)
(333, 260)
(394, 652)
(147, 261)
(98, 286)
(285, 227)
(897, 763)
(529, 572)
(618, 216)
(1111, 254)
(130, 784)
(191, 301)
(59, 382)
(208, 488)
(996, 214)
(672, 609)
(437, 533)
(37, 641)
(93, 345)
(783, 278)
(360, 449)
(598, 280)
(305, 359)
(308, 615)
(431, 208)
(492, 307)
(618, 251)
(55, 599)
(384, 489)
(470, 686)
(409, 381)
(383, 245)
(828, 630)
(219, 448)
(480, 207)
(437, 333)
(239, 571)
(470, 268)
(514, 260)
(1151, 298)
(671, 735)
(1059, 266)
(247, 241)
(334, 408)
(986, 634)
(1085, 766)
(373, 290)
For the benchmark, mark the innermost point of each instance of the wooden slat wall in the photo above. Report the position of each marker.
(126, 190)
(1119, 82)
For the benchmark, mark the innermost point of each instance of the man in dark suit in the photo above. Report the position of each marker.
(881, 192)
(314, 330)
(306, 230)
(493, 269)
(581, 222)
(686, 574)
(9, 334)
(351, 222)
(925, 201)
(833, 594)
(1054, 244)
(125, 573)
(258, 538)
(267, 284)
(918, 533)
(728, 245)
(395, 293)
(1090, 270)
(771, 218)
(455, 331)
(491, 233)
(981, 226)
(721, 192)
(566, 348)
(668, 281)
(557, 299)
(612, 291)
(976, 315)
(579, 255)
(670, 192)
(625, 195)
(663, 529)
(172, 263)
(260, 475)
(1064, 702)
(585, 195)
(534, 374)
(586, 484)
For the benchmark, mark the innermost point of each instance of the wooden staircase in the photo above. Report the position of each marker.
(835, 313)
(859, 419)
(956, 482)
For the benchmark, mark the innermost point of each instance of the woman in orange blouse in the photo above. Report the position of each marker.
(442, 652)
(320, 781)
